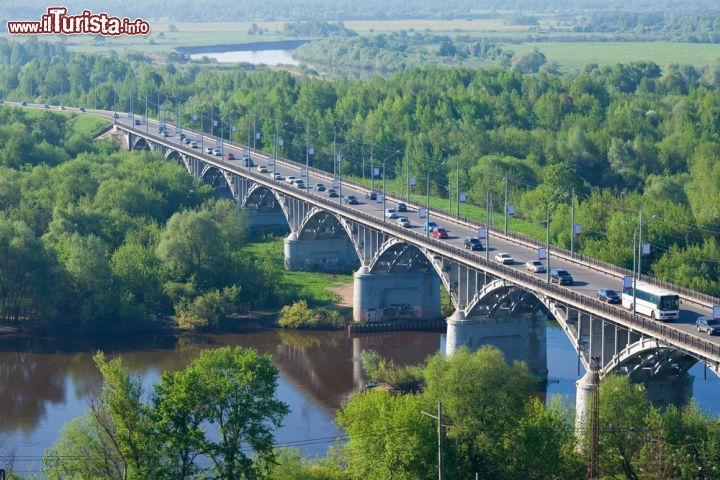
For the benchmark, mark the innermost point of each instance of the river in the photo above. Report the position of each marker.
(46, 382)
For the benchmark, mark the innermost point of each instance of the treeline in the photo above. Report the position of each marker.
(701, 27)
(316, 28)
(494, 427)
(395, 52)
(115, 241)
(626, 137)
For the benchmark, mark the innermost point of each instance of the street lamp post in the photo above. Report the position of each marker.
(547, 239)
(637, 257)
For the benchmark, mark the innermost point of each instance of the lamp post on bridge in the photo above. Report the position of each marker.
(427, 197)
(547, 238)
(637, 258)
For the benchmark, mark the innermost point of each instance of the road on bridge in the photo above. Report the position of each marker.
(587, 279)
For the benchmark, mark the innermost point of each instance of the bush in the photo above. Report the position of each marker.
(300, 316)
(207, 310)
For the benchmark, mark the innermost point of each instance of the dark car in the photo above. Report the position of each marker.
(82, 110)
(248, 162)
(137, 122)
(473, 243)
(332, 193)
(608, 295)
(560, 276)
(709, 325)
(371, 195)
(351, 199)
(401, 207)
(23, 103)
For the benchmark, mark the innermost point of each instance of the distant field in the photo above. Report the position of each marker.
(575, 55)
(440, 26)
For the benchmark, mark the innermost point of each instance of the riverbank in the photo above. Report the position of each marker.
(242, 47)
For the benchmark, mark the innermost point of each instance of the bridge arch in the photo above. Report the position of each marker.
(139, 143)
(648, 357)
(396, 255)
(321, 224)
(260, 199)
(219, 180)
(171, 154)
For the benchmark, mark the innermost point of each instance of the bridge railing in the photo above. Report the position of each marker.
(689, 294)
(663, 332)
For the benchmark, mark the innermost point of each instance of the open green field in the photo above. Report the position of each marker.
(574, 55)
(313, 286)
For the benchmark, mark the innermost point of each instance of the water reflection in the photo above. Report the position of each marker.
(255, 57)
(46, 382)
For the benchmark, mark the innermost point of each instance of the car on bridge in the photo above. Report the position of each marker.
(504, 258)
(561, 276)
(247, 161)
(371, 195)
(23, 103)
(473, 243)
(709, 325)
(332, 193)
(137, 122)
(262, 169)
(180, 136)
(404, 222)
(82, 109)
(186, 141)
(299, 183)
(401, 207)
(194, 144)
(535, 266)
(61, 107)
(439, 232)
(608, 295)
(351, 200)
(290, 179)
(209, 150)
(217, 152)
(45, 105)
(430, 226)
(277, 176)
(229, 156)
(320, 187)
(391, 213)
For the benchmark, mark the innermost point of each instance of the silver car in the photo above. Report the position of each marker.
(535, 266)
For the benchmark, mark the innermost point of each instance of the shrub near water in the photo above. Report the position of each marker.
(300, 316)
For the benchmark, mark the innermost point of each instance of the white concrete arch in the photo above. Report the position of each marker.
(228, 180)
(256, 190)
(316, 211)
(394, 243)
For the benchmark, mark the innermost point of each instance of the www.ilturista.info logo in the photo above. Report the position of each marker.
(57, 22)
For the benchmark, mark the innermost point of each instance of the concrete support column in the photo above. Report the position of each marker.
(583, 390)
(388, 296)
(321, 255)
(521, 337)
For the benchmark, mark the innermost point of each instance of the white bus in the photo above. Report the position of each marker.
(653, 302)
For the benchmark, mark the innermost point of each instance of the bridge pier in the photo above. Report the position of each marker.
(326, 255)
(521, 336)
(387, 296)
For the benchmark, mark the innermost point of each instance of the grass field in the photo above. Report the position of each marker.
(574, 55)
(313, 286)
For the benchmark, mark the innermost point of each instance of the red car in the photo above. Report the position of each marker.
(229, 156)
(439, 232)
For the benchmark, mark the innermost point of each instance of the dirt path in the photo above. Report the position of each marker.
(346, 294)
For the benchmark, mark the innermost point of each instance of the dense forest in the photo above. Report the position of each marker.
(100, 240)
(624, 137)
